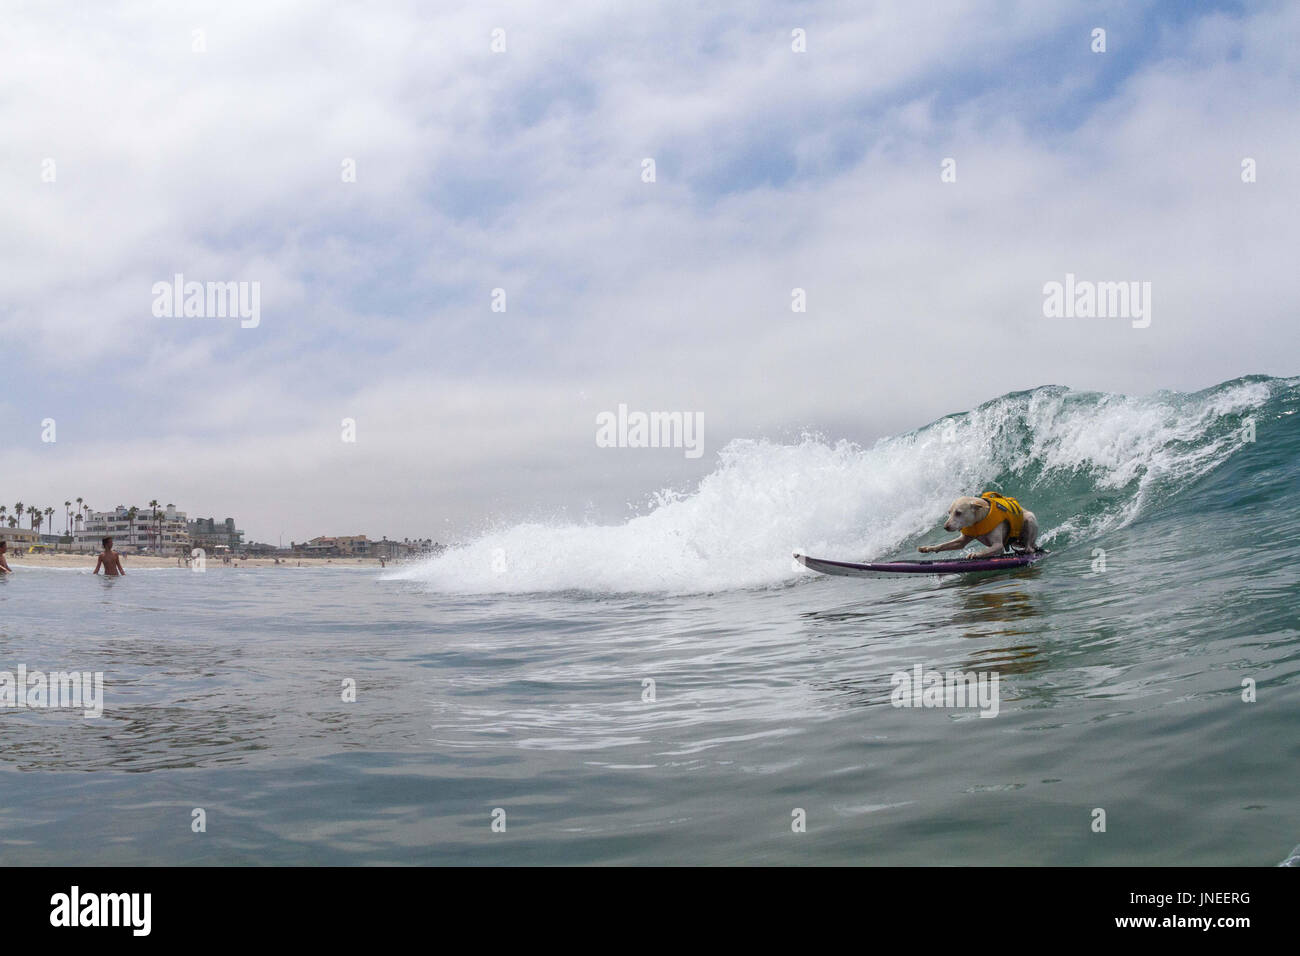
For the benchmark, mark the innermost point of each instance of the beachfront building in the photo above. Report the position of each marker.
(18, 538)
(340, 546)
(389, 550)
(163, 533)
(360, 546)
(213, 535)
(407, 547)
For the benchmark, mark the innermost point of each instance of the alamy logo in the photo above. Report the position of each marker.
(211, 300)
(102, 909)
(60, 689)
(950, 690)
(1084, 299)
(626, 429)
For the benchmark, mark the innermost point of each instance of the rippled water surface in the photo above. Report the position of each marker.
(1120, 691)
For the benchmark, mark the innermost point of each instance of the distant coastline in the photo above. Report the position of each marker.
(46, 559)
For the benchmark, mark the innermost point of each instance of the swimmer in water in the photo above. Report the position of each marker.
(110, 560)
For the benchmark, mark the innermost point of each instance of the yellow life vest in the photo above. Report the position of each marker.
(1001, 508)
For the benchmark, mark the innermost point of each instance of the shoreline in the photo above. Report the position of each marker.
(130, 561)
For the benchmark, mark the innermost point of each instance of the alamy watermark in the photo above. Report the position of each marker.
(82, 690)
(950, 690)
(127, 910)
(626, 429)
(208, 300)
(1084, 299)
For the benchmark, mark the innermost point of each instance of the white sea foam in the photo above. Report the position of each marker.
(765, 499)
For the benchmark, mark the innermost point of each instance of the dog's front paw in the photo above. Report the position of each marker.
(925, 549)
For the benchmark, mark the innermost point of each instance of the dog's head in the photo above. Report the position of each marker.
(965, 512)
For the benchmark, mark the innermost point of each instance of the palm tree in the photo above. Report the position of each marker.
(157, 524)
(130, 516)
(4, 509)
(49, 519)
(67, 510)
(18, 510)
(34, 513)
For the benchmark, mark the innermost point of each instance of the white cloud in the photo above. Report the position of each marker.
(776, 170)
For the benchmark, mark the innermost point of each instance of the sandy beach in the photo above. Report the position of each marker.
(19, 559)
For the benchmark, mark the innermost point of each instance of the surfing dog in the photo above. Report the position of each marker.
(994, 520)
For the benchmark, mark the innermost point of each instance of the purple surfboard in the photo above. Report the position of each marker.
(958, 566)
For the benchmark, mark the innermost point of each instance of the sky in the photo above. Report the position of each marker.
(215, 140)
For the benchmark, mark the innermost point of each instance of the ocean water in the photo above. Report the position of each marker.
(508, 679)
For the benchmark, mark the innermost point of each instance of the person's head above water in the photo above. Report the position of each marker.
(107, 543)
